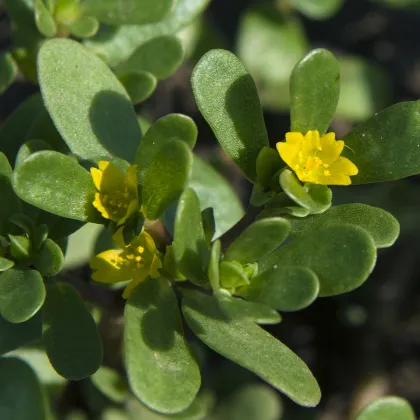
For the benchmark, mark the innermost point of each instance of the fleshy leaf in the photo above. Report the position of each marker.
(131, 12)
(79, 90)
(320, 9)
(49, 260)
(190, 246)
(44, 20)
(56, 183)
(342, 256)
(258, 240)
(22, 293)
(160, 56)
(383, 227)
(8, 71)
(387, 408)
(84, 27)
(70, 335)
(386, 146)
(231, 107)
(139, 85)
(21, 396)
(283, 288)
(161, 369)
(214, 191)
(241, 341)
(166, 177)
(314, 92)
(111, 384)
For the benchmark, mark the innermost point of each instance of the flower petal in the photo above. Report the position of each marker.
(288, 152)
(107, 268)
(344, 166)
(112, 177)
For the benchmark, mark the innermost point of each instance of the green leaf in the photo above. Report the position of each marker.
(22, 293)
(215, 192)
(139, 85)
(258, 240)
(29, 148)
(241, 341)
(131, 12)
(320, 9)
(161, 369)
(231, 107)
(254, 401)
(5, 168)
(8, 71)
(44, 20)
(20, 247)
(10, 203)
(13, 131)
(251, 311)
(214, 266)
(366, 88)
(21, 396)
(5, 264)
(315, 198)
(49, 260)
(160, 56)
(209, 224)
(111, 384)
(268, 165)
(382, 226)
(159, 135)
(314, 91)
(117, 44)
(13, 336)
(387, 408)
(232, 275)
(191, 250)
(70, 335)
(56, 183)
(166, 177)
(84, 27)
(79, 90)
(280, 41)
(386, 147)
(283, 288)
(342, 256)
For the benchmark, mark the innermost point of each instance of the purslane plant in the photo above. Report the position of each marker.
(290, 248)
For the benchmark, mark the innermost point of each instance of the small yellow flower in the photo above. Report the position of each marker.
(134, 262)
(317, 159)
(117, 197)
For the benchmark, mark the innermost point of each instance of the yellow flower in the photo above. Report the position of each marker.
(317, 159)
(117, 197)
(134, 262)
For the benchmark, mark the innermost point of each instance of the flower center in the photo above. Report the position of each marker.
(310, 165)
(117, 203)
(132, 258)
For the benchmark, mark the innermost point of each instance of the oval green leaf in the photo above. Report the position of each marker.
(111, 384)
(44, 19)
(191, 250)
(342, 256)
(386, 147)
(283, 288)
(22, 293)
(79, 90)
(382, 226)
(128, 12)
(231, 107)
(241, 341)
(70, 335)
(49, 260)
(214, 266)
(166, 177)
(161, 132)
(8, 71)
(258, 240)
(29, 148)
(387, 408)
(84, 27)
(139, 85)
(56, 183)
(314, 92)
(160, 56)
(161, 369)
(320, 9)
(21, 396)
(214, 191)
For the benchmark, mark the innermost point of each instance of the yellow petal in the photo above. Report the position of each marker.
(311, 141)
(132, 208)
(156, 265)
(294, 137)
(107, 267)
(118, 238)
(288, 152)
(331, 152)
(112, 177)
(97, 203)
(344, 166)
(97, 177)
(327, 139)
(339, 179)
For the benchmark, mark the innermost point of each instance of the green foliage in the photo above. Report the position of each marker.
(92, 99)
(8, 71)
(138, 84)
(231, 107)
(69, 333)
(387, 408)
(154, 333)
(321, 9)
(242, 341)
(314, 91)
(21, 396)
